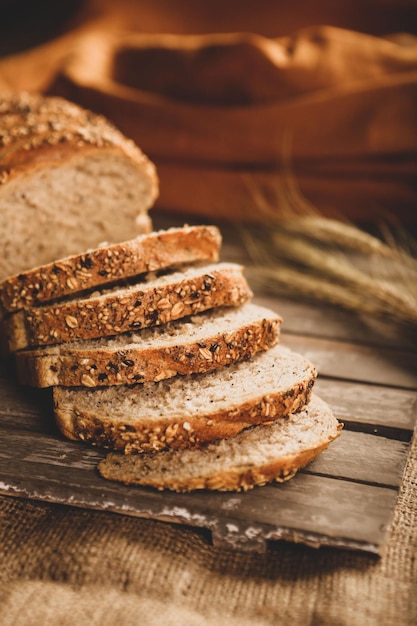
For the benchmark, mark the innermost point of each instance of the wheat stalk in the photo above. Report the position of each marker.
(308, 255)
(290, 282)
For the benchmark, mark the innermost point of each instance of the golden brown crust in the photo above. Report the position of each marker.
(110, 263)
(152, 435)
(24, 104)
(37, 129)
(133, 308)
(103, 366)
(25, 117)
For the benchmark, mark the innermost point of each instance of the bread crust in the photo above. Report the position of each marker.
(139, 306)
(145, 435)
(109, 263)
(104, 366)
(38, 129)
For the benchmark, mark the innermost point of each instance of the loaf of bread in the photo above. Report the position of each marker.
(187, 411)
(68, 181)
(145, 303)
(151, 345)
(197, 344)
(255, 456)
(109, 263)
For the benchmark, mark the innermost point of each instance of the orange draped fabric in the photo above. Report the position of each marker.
(229, 117)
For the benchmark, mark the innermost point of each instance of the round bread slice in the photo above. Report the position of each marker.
(187, 410)
(148, 302)
(109, 263)
(68, 181)
(256, 456)
(197, 344)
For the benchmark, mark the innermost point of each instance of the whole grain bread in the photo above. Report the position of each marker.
(190, 410)
(68, 181)
(113, 311)
(199, 343)
(255, 456)
(109, 263)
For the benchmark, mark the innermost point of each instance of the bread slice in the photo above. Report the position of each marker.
(198, 344)
(109, 263)
(256, 456)
(187, 410)
(143, 304)
(68, 181)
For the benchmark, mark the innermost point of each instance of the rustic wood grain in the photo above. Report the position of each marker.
(347, 361)
(373, 408)
(363, 458)
(328, 509)
(354, 456)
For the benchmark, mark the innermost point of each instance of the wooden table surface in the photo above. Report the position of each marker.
(346, 498)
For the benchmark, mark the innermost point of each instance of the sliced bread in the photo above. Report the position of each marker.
(147, 303)
(109, 263)
(187, 410)
(197, 344)
(68, 181)
(256, 456)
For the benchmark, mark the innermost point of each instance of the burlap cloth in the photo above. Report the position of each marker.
(66, 566)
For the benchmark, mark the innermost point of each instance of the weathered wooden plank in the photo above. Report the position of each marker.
(330, 322)
(380, 407)
(354, 456)
(333, 508)
(307, 508)
(25, 408)
(337, 359)
(362, 457)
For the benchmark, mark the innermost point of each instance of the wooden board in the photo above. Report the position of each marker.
(345, 498)
(338, 501)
